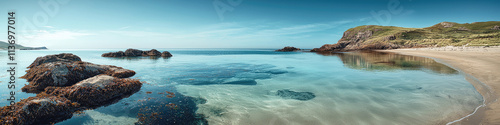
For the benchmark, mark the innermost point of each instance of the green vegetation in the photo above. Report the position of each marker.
(4, 45)
(442, 34)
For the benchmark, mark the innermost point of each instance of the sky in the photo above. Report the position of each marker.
(113, 24)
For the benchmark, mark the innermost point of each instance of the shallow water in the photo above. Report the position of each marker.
(229, 86)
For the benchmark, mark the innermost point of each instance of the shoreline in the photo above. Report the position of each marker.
(480, 66)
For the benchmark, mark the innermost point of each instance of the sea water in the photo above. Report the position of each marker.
(246, 86)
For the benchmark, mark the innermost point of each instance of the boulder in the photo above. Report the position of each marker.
(302, 96)
(38, 110)
(133, 52)
(288, 49)
(98, 90)
(166, 54)
(152, 52)
(67, 73)
(114, 54)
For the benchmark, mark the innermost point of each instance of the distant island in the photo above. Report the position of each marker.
(373, 37)
(4, 45)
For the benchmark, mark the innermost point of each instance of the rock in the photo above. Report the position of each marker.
(391, 37)
(446, 24)
(152, 52)
(64, 73)
(38, 110)
(98, 90)
(496, 27)
(63, 57)
(302, 96)
(166, 54)
(114, 54)
(133, 52)
(136, 52)
(288, 49)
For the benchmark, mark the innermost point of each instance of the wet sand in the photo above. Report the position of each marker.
(482, 63)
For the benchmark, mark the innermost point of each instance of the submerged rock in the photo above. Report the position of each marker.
(67, 73)
(136, 53)
(97, 90)
(302, 96)
(288, 49)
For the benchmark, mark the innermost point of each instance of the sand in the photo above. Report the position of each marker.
(482, 63)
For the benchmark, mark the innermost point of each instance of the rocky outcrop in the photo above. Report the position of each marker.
(288, 49)
(66, 71)
(358, 40)
(136, 53)
(66, 85)
(302, 96)
(496, 27)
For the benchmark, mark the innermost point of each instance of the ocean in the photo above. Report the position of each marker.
(264, 87)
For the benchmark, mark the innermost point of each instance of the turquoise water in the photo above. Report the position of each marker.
(230, 86)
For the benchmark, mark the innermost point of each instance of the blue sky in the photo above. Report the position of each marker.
(101, 24)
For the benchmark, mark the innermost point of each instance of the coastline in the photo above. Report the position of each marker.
(481, 68)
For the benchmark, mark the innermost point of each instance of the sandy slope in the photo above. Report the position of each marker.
(479, 62)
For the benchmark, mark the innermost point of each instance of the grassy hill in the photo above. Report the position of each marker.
(4, 45)
(442, 34)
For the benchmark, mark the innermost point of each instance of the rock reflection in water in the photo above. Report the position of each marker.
(376, 61)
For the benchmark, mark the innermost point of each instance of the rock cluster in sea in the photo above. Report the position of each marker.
(288, 49)
(302, 96)
(64, 85)
(136, 53)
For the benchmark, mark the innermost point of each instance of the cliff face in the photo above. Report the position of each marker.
(389, 37)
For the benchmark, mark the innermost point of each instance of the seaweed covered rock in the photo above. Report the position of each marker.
(288, 49)
(136, 53)
(98, 90)
(66, 85)
(38, 110)
(66, 73)
(63, 57)
(302, 96)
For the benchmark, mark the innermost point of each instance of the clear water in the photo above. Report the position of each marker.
(231, 86)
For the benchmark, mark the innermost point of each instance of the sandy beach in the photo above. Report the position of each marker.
(482, 63)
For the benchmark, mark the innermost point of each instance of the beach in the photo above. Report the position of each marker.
(482, 63)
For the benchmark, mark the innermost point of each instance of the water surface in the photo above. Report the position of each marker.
(229, 86)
